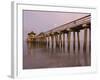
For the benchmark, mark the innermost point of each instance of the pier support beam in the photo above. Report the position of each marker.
(89, 39)
(85, 39)
(78, 39)
(48, 42)
(74, 41)
(56, 40)
(63, 40)
(52, 41)
(68, 41)
(60, 40)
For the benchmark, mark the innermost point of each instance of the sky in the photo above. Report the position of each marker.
(42, 21)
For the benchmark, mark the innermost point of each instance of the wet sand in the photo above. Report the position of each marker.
(37, 56)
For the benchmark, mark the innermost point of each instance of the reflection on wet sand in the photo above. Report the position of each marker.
(40, 55)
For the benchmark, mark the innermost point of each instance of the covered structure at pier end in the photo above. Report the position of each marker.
(31, 37)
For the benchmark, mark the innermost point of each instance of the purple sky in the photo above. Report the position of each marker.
(41, 21)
